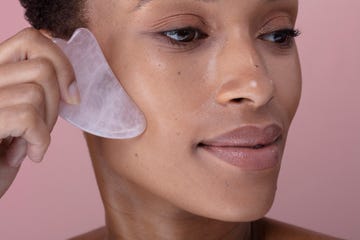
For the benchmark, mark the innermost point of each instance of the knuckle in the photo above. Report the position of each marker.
(27, 115)
(34, 93)
(45, 67)
(45, 72)
(46, 76)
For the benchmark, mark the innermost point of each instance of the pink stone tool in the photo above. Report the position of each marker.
(105, 110)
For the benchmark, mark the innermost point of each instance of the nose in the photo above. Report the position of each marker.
(243, 76)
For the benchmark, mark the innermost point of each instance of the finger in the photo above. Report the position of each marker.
(26, 93)
(31, 44)
(16, 153)
(7, 176)
(41, 74)
(23, 121)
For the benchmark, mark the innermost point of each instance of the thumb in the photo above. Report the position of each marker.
(7, 176)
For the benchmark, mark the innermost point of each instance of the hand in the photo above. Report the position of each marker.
(34, 76)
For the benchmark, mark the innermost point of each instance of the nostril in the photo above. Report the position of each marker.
(237, 100)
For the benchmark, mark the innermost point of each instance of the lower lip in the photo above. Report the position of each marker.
(248, 158)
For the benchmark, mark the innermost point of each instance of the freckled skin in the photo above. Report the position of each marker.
(160, 185)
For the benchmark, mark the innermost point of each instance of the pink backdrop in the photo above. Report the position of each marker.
(319, 183)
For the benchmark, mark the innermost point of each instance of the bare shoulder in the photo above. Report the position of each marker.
(97, 234)
(275, 230)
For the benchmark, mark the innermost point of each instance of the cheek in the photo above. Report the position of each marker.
(168, 87)
(286, 74)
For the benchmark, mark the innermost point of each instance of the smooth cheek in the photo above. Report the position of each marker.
(169, 87)
(286, 73)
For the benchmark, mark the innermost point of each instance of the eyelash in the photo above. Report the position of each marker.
(195, 36)
(283, 37)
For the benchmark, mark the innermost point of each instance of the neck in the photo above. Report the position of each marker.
(136, 214)
(134, 228)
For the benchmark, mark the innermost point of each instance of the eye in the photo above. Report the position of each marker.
(282, 37)
(184, 35)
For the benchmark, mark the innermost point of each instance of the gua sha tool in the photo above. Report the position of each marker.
(105, 109)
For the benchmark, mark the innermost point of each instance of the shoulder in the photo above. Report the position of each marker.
(97, 234)
(271, 229)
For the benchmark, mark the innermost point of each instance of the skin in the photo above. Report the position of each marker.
(30, 92)
(161, 184)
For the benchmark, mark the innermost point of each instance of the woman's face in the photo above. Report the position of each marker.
(198, 70)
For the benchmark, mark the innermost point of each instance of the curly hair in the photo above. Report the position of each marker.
(59, 17)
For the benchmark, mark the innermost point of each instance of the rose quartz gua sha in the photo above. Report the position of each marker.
(105, 109)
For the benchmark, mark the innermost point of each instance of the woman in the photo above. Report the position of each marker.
(218, 82)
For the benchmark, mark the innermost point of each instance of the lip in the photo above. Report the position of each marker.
(248, 148)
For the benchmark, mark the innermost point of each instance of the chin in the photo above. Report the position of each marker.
(241, 206)
(241, 212)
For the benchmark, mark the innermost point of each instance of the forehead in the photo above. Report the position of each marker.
(144, 2)
(116, 12)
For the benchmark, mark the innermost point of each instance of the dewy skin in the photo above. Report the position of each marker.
(105, 110)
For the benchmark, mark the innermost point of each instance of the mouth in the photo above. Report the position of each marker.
(248, 147)
(255, 147)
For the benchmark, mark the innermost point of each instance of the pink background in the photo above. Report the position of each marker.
(319, 184)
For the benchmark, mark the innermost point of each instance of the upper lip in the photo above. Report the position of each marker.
(248, 136)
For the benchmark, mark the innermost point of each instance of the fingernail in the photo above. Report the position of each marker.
(74, 94)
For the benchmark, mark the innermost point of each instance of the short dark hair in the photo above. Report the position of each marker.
(59, 17)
